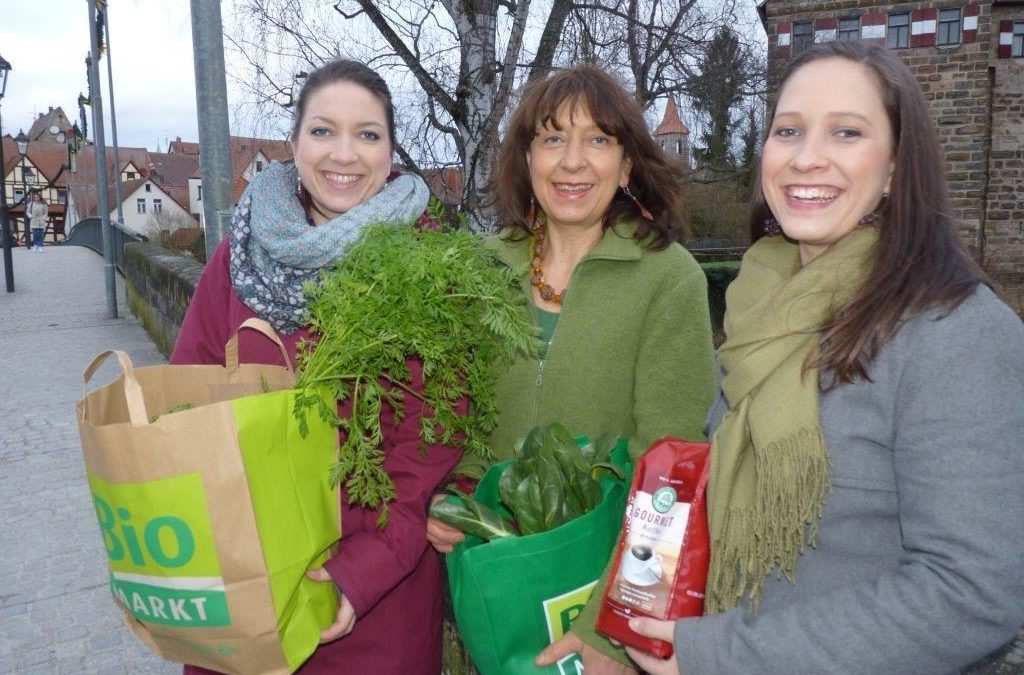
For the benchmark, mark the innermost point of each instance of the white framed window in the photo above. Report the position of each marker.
(62, 196)
(898, 36)
(140, 205)
(1017, 46)
(949, 27)
(158, 206)
(803, 36)
(130, 175)
(849, 29)
(200, 197)
(149, 187)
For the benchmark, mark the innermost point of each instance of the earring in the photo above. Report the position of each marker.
(874, 215)
(644, 213)
(531, 215)
(771, 227)
(298, 187)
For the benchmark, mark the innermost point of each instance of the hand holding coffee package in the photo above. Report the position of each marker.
(661, 566)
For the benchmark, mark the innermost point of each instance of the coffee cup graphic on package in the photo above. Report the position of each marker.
(641, 566)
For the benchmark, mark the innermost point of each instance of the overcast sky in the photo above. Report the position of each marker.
(46, 42)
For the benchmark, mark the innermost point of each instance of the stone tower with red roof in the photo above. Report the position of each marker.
(672, 135)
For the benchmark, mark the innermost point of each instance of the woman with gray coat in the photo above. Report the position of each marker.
(866, 498)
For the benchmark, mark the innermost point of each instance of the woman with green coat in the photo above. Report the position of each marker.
(592, 208)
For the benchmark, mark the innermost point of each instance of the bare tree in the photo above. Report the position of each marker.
(167, 221)
(455, 65)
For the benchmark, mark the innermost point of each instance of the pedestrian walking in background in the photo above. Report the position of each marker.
(865, 499)
(38, 213)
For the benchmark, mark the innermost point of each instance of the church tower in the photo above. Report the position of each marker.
(673, 136)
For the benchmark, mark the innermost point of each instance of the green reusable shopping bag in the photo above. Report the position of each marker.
(212, 507)
(514, 596)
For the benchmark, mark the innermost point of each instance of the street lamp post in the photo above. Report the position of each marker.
(22, 140)
(5, 223)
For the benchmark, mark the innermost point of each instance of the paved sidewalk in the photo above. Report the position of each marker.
(56, 614)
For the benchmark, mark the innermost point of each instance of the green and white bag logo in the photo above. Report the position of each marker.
(163, 562)
(560, 612)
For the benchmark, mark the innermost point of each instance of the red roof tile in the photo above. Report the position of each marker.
(238, 189)
(445, 183)
(670, 123)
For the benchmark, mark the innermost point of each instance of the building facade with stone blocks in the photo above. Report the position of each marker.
(969, 60)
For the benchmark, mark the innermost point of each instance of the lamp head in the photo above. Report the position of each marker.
(22, 140)
(5, 69)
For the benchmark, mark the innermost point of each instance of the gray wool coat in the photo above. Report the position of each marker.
(919, 563)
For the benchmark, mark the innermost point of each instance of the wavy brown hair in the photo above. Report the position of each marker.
(655, 180)
(920, 262)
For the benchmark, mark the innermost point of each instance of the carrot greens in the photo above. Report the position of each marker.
(400, 292)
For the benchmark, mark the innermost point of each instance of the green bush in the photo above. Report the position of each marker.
(199, 248)
(717, 211)
(184, 238)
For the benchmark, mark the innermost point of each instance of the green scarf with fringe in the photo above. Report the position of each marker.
(770, 466)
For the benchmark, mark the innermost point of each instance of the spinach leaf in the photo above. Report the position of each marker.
(472, 517)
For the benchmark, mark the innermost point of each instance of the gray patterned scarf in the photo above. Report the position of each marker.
(274, 250)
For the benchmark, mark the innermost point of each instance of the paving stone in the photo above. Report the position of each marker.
(55, 609)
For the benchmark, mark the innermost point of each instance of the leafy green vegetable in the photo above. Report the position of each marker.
(472, 517)
(552, 480)
(400, 292)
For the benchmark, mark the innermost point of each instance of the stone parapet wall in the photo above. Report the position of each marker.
(160, 286)
(161, 283)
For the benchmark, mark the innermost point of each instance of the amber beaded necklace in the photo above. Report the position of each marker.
(537, 276)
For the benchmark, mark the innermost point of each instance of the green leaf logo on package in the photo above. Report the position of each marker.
(663, 499)
(163, 563)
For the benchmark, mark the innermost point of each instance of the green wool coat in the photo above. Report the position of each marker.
(632, 352)
(632, 355)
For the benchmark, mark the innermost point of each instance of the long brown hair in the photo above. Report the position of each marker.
(920, 261)
(655, 180)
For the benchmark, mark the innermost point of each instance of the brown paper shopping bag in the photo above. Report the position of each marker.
(212, 507)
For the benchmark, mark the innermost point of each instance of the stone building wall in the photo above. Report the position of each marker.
(1004, 231)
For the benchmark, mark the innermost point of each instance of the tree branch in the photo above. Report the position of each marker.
(429, 84)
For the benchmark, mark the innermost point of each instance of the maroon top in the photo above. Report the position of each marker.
(391, 576)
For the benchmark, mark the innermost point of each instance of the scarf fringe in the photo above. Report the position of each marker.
(792, 481)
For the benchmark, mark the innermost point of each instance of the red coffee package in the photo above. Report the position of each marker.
(661, 566)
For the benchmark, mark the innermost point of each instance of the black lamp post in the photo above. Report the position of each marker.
(22, 140)
(5, 223)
